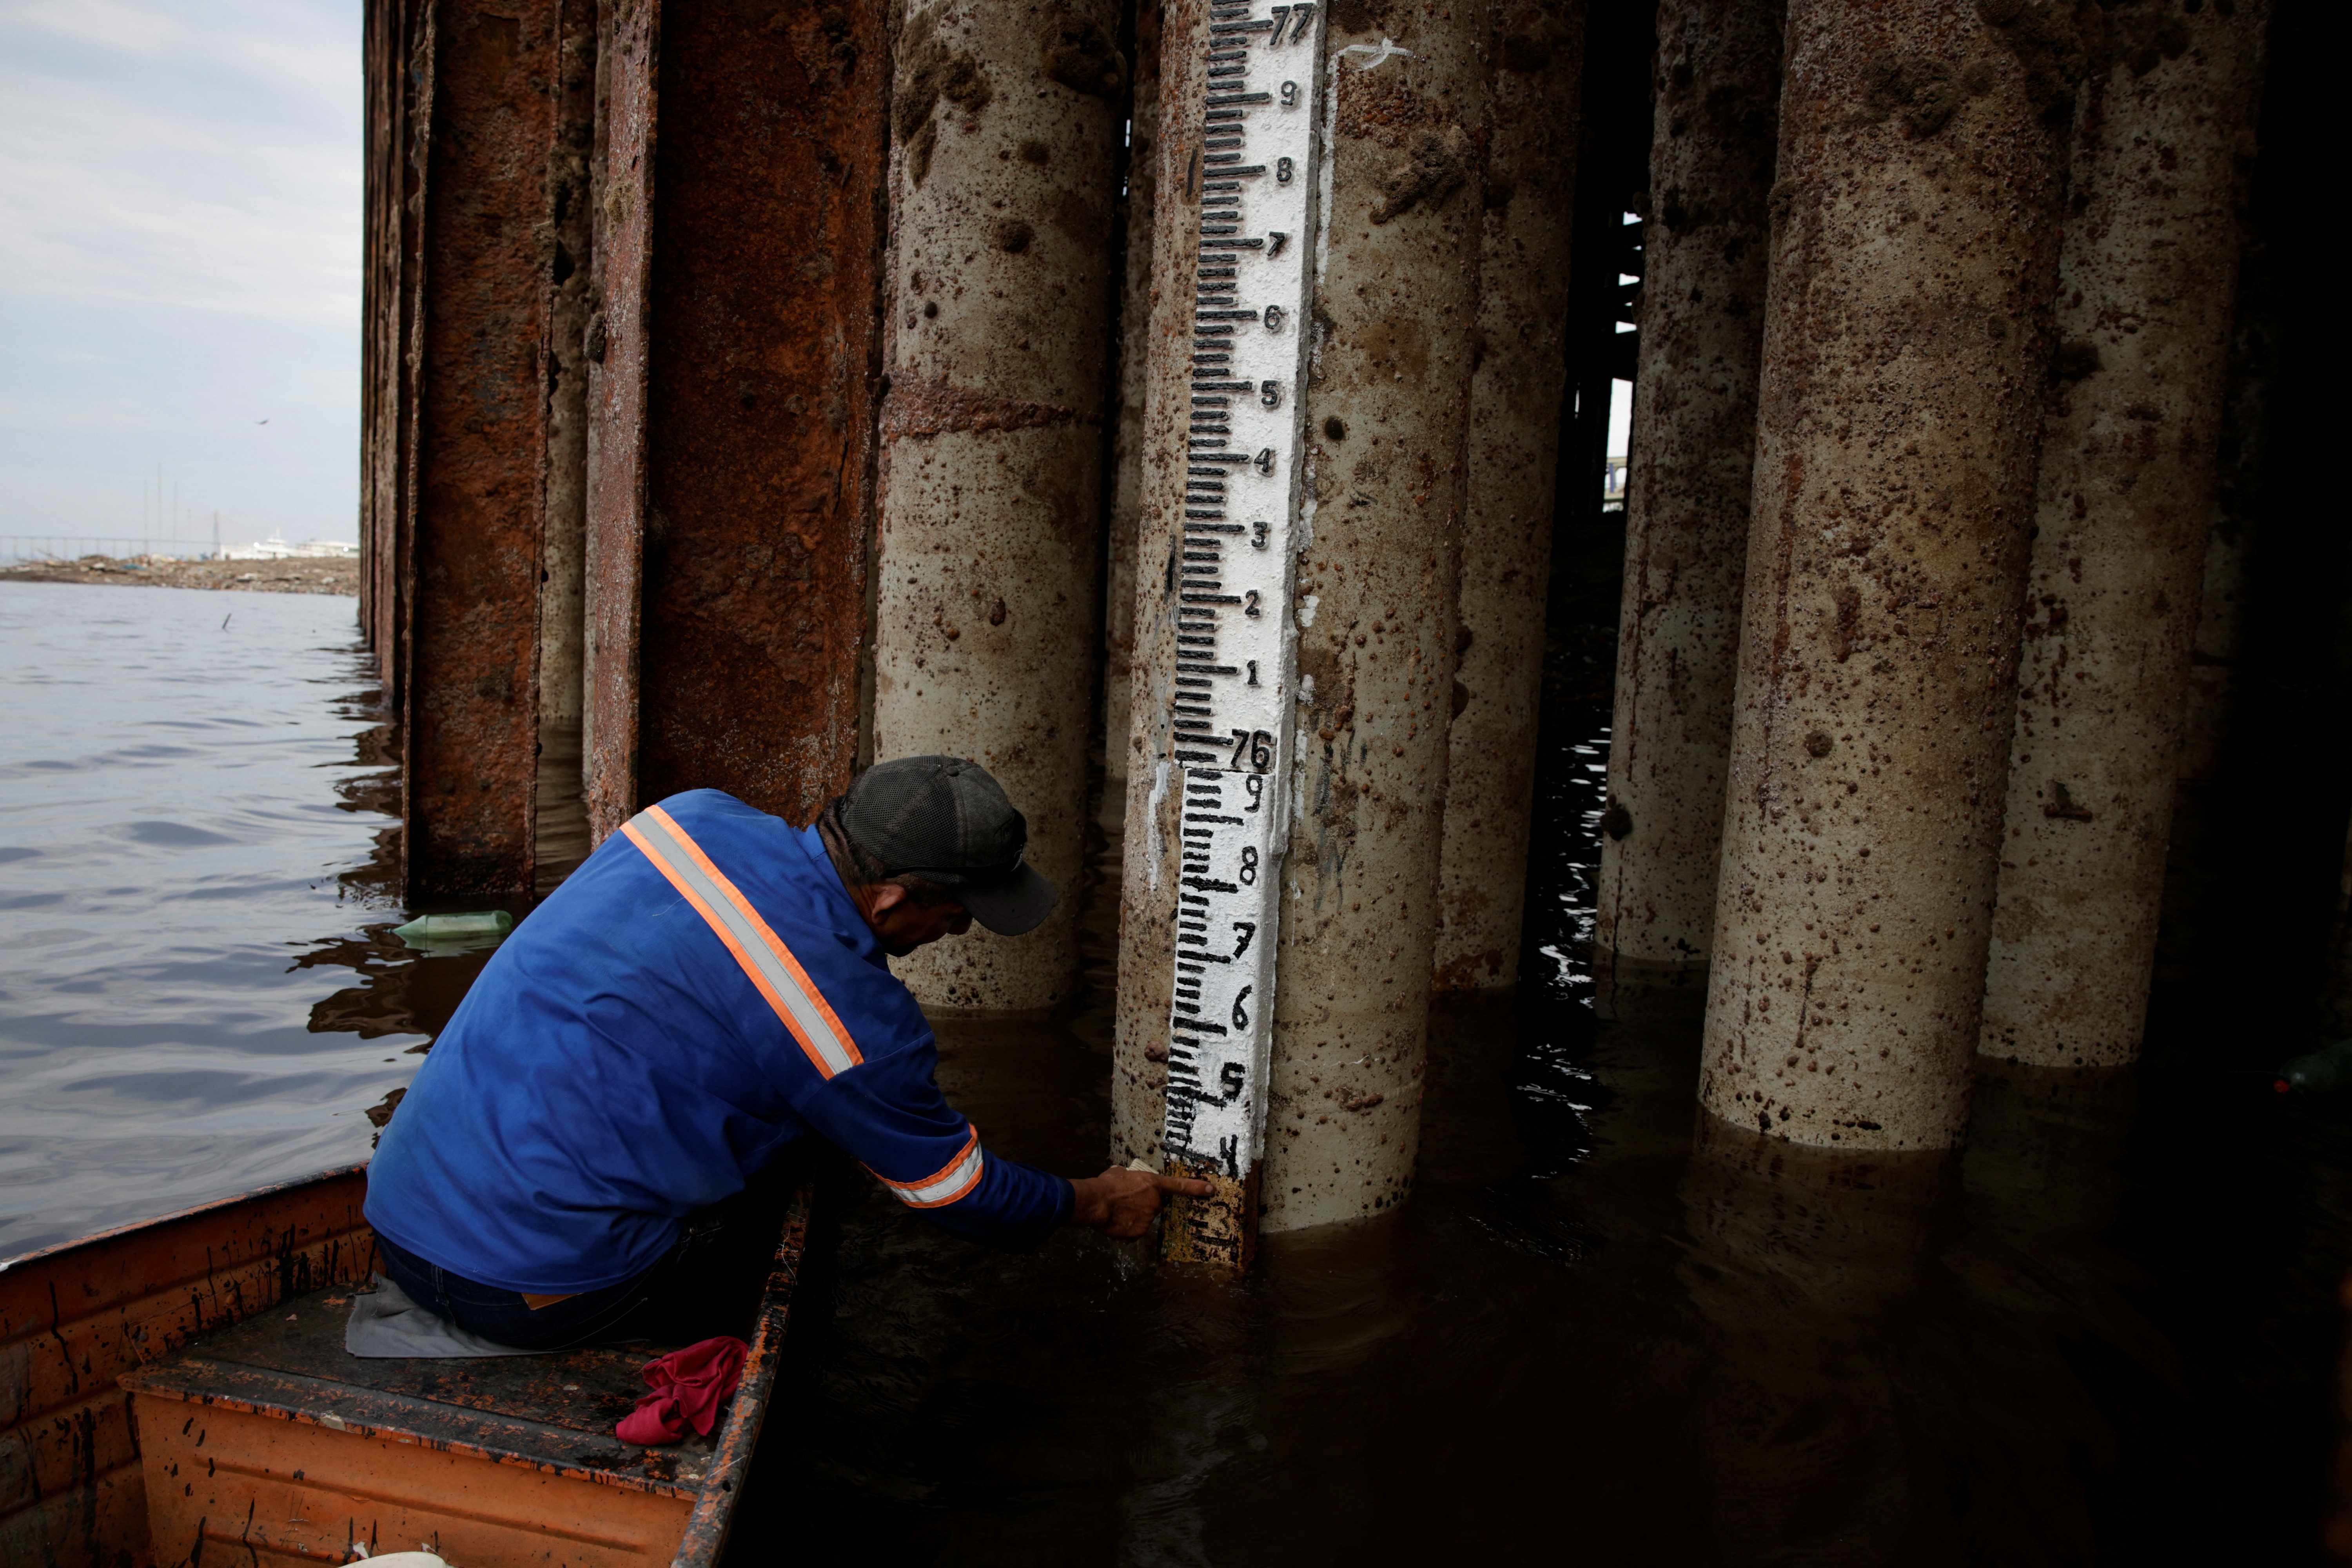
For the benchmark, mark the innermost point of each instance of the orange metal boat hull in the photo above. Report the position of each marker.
(235, 1486)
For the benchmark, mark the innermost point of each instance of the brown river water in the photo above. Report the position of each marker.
(1601, 1331)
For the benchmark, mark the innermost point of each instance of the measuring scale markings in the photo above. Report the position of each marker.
(1230, 573)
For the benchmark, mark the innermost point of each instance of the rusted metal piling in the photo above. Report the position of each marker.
(1906, 349)
(1535, 68)
(468, 575)
(397, 64)
(2146, 284)
(732, 355)
(988, 553)
(566, 246)
(1704, 245)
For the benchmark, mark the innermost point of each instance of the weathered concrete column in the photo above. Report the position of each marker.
(2147, 287)
(730, 392)
(1387, 414)
(1906, 348)
(1377, 570)
(988, 554)
(1704, 250)
(1128, 433)
(470, 587)
(1158, 344)
(1535, 72)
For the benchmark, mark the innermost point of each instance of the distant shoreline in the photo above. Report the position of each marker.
(307, 575)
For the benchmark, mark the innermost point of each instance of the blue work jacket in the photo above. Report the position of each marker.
(696, 996)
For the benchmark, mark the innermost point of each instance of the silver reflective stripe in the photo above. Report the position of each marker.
(947, 1186)
(752, 940)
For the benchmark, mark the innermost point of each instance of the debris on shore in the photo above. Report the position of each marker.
(300, 574)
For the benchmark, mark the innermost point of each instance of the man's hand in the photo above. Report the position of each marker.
(1121, 1202)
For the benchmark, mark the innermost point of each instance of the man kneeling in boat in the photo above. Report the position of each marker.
(707, 989)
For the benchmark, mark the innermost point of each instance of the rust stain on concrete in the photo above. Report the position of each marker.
(917, 407)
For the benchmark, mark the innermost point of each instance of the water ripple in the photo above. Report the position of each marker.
(176, 816)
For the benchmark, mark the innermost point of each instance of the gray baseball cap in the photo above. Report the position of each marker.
(947, 821)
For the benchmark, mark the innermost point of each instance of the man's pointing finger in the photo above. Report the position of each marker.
(1189, 1187)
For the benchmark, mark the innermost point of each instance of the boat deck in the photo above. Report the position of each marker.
(555, 1412)
(268, 1439)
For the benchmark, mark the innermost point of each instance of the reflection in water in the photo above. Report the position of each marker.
(1814, 1273)
(194, 800)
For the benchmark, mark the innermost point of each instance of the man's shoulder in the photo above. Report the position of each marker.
(743, 841)
(788, 878)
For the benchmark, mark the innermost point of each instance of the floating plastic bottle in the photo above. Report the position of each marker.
(2322, 1071)
(481, 929)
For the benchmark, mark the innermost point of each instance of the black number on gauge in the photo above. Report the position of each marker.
(1290, 95)
(1276, 240)
(1282, 171)
(1275, 316)
(1264, 461)
(1249, 863)
(1241, 1020)
(1257, 534)
(1269, 393)
(1255, 785)
(1251, 608)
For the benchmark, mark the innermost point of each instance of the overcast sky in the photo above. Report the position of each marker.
(179, 262)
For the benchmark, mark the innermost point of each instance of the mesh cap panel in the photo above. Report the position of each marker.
(942, 816)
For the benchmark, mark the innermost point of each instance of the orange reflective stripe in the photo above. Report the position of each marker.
(946, 1185)
(762, 955)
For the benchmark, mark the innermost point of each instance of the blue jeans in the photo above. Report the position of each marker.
(635, 1308)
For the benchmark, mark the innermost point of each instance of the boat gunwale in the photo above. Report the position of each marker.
(56, 1250)
(708, 1526)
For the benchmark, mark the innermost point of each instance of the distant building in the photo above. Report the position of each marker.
(1612, 481)
(275, 548)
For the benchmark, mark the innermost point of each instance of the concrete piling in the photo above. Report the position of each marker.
(1535, 69)
(2126, 492)
(1704, 245)
(1906, 349)
(1128, 433)
(1377, 571)
(1160, 342)
(732, 359)
(988, 554)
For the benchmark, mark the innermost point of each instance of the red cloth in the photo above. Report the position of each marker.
(689, 1386)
